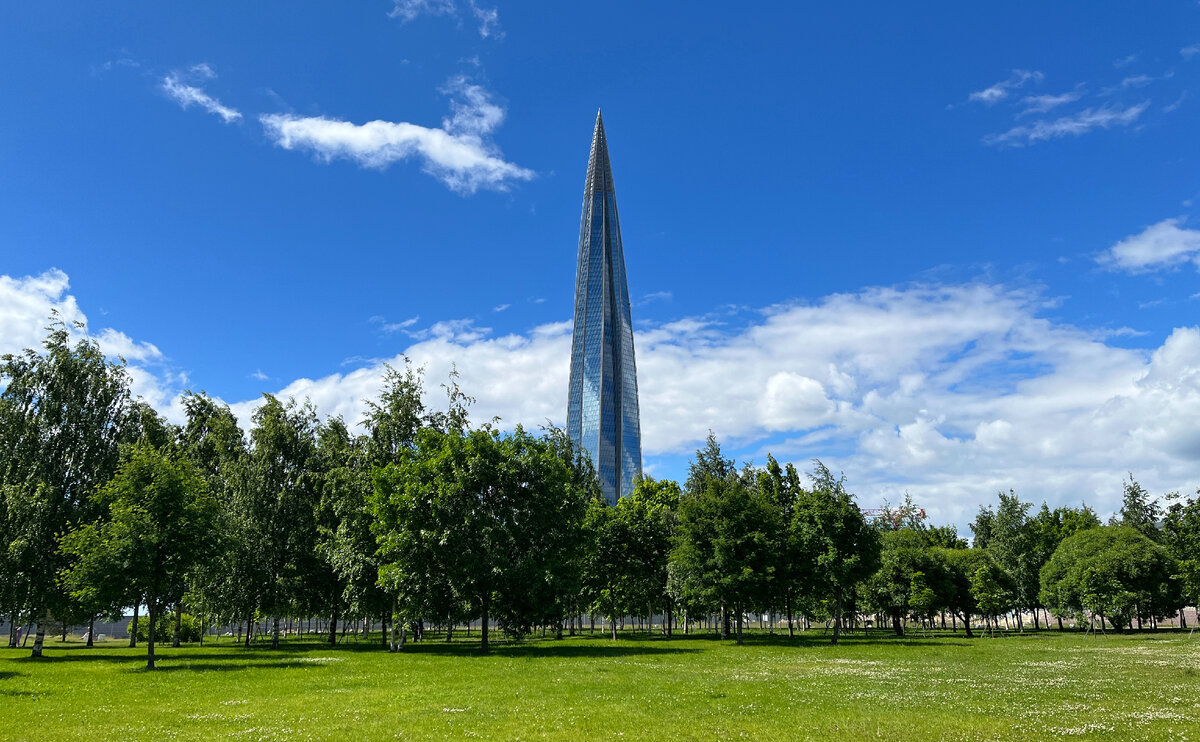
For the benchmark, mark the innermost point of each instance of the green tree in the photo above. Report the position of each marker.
(1139, 511)
(993, 591)
(725, 542)
(64, 409)
(905, 553)
(496, 520)
(1181, 537)
(277, 503)
(158, 527)
(1113, 572)
(840, 547)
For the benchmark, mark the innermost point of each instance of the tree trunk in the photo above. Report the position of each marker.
(178, 623)
(788, 600)
(40, 639)
(275, 632)
(150, 634)
(1182, 618)
(739, 626)
(383, 632)
(249, 627)
(133, 626)
(1036, 627)
(837, 618)
(91, 631)
(724, 621)
(333, 623)
(483, 627)
(896, 625)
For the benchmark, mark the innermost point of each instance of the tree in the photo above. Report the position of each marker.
(839, 546)
(495, 521)
(159, 526)
(725, 544)
(1181, 537)
(1113, 572)
(63, 412)
(905, 554)
(992, 590)
(1138, 510)
(277, 502)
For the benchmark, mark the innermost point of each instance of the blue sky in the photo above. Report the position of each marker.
(949, 249)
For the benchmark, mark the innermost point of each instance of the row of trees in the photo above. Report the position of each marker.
(424, 519)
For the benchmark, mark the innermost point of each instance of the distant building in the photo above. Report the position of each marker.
(602, 408)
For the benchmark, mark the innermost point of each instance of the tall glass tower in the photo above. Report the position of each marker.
(602, 409)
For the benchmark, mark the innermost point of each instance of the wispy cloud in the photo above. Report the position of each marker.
(1001, 90)
(1164, 245)
(1178, 102)
(1044, 103)
(501, 307)
(386, 326)
(1125, 61)
(409, 10)
(176, 86)
(488, 19)
(1073, 125)
(460, 153)
(654, 296)
(258, 375)
(1188, 52)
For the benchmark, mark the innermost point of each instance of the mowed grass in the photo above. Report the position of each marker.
(1019, 687)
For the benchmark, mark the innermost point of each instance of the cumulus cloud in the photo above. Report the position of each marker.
(26, 306)
(176, 86)
(1001, 90)
(1166, 244)
(951, 392)
(460, 153)
(948, 391)
(1073, 125)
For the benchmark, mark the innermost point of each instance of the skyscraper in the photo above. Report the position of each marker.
(602, 407)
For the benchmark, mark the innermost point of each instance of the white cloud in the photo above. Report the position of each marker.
(26, 306)
(501, 307)
(1188, 52)
(176, 87)
(1125, 61)
(1043, 103)
(460, 154)
(948, 391)
(408, 10)
(394, 326)
(1162, 245)
(487, 18)
(1001, 90)
(1075, 124)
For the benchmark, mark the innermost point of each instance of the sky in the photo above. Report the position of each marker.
(947, 249)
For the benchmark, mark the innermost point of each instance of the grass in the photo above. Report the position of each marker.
(944, 687)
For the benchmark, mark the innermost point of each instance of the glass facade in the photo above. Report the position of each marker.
(602, 407)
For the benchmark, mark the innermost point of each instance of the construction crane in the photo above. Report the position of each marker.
(897, 515)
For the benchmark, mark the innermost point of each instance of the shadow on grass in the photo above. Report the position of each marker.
(545, 649)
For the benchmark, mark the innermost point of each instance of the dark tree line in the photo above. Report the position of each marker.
(425, 521)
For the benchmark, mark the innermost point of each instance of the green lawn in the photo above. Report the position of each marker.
(1139, 686)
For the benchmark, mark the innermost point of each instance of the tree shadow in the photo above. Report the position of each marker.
(543, 650)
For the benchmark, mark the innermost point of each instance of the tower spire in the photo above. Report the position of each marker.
(603, 418)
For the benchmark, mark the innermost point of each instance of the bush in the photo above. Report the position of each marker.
(190, 628)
